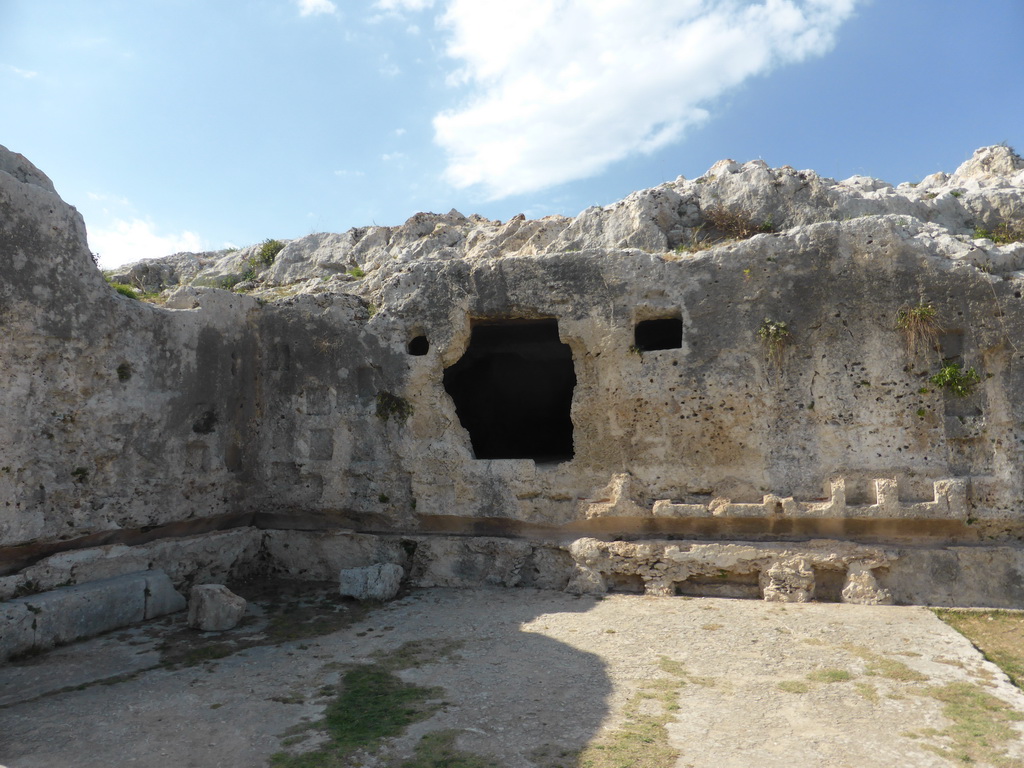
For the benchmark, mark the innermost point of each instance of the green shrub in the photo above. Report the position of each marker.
(357, 272)
(268, 252)
(954, 379)
(125, 290)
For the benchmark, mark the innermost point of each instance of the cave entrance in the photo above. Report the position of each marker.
(513, 390)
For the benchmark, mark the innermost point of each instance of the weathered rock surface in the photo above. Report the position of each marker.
(329, 397)
(372, 582)
(214, 608)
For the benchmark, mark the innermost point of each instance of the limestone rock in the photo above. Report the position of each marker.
(373, 582)
(789, 581)
(862, 588)
(214, 608)
(586, 581)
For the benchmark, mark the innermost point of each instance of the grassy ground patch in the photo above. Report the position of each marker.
(642, 739)
(375, 704)
(437, 750)
(830, 675)
(981, 725)
(999, 635)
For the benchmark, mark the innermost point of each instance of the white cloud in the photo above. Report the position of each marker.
(316, 7)
(404, 5)
(389, 157)
(344, 173)
(399, 131)
(28, 74)
(128, 240)
(562, 90)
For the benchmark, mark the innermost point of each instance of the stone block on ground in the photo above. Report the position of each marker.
(374, 582)
(58, 616)
(214, 608)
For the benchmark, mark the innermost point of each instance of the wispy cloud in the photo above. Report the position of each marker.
(316, 7)
(28, 74)
(562, 90)
(124, 241)
(390, 157)
(349, 174)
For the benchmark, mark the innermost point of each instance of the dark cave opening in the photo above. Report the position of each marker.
(513, 390)
(663, 333)
(418, 346)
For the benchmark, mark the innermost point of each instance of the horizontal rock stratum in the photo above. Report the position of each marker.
(757, 358)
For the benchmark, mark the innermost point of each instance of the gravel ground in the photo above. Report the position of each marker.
(536, 676)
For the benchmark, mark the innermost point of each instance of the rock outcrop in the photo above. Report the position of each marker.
(757, 357)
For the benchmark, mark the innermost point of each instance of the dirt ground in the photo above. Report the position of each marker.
(536, 677)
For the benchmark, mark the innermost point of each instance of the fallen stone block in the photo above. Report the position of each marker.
(63, 615)
(214, 608)
(374, 582)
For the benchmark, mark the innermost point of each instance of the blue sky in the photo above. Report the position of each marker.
(198, 124)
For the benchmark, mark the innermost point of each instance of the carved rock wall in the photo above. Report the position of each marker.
(126, 422)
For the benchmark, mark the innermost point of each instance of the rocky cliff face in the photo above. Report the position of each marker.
(757, 353)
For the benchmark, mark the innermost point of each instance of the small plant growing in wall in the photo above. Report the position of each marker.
(393, 406)
(775, 335)
(955, 379)
(919, 325)
(125, 290)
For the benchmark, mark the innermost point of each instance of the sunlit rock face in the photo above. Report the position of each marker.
(757, 354)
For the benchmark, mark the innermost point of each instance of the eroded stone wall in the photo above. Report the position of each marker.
(125, 420)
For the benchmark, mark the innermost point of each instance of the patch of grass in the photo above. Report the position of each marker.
(374, 704)
(868, 691)
(999, 635)
(357, 272)
(830, 675)
(955, 379)
(884, 667)
(981, 725)
(642, 739)
(125, 290)
(1003, 234)
(793, 686)
(437, 750)
(919, 325)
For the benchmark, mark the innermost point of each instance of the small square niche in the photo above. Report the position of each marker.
(660, 333)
